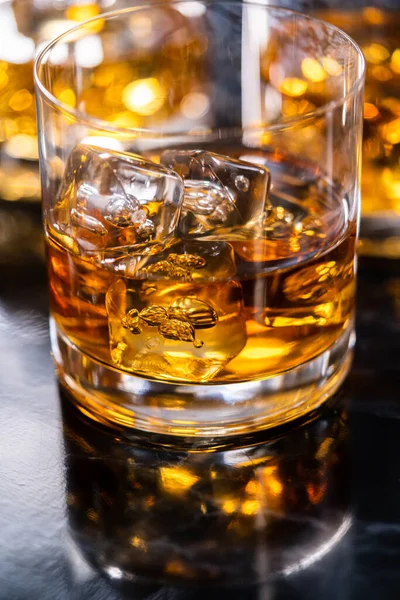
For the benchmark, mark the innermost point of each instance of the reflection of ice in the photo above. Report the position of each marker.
(113, 201)
(222, 195)
(285, 175)
(171, 327)
(324, 282)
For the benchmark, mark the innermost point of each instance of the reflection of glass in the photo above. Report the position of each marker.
(378, 33)
(215, 247)
(25, 25)
(265, 510)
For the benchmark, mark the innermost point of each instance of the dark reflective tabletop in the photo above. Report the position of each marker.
(310, 511)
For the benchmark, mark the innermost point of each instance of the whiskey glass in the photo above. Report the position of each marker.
(201, 264)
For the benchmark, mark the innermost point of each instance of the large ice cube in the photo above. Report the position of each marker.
(116, 202)
(223, 196)
(178, 325)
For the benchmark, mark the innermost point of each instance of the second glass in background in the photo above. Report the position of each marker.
(25, 26)
(376, 28)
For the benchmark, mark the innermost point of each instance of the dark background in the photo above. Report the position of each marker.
(46, 456)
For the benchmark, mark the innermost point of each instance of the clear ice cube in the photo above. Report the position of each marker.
(115, 202)
(222, 196)
(178, 324)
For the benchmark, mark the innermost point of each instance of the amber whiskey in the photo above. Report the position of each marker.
(221, 310)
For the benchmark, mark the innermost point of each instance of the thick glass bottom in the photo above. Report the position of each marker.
(113, 397)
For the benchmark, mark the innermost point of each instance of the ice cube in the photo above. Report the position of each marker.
(177, 329)
(222, 196)
(116, 203)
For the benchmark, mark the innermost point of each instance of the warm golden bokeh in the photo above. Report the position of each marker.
(17, 102)
(377, 32)
(127, 93)
(293, 87)
(144, 96)
(313, 70)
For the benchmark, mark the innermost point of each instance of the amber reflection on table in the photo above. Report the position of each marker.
(259, 507)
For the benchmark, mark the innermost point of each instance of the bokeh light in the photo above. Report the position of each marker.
(331, 66)
(195, 105)
(293, 87)
(370, 111)
(395, 61)
(144, 96)
(376, 53)
(313, 70)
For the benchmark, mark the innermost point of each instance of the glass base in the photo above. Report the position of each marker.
(113, 397)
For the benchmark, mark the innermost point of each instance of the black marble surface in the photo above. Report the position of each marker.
(311, 511)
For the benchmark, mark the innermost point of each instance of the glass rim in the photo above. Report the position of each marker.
(85, 118)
